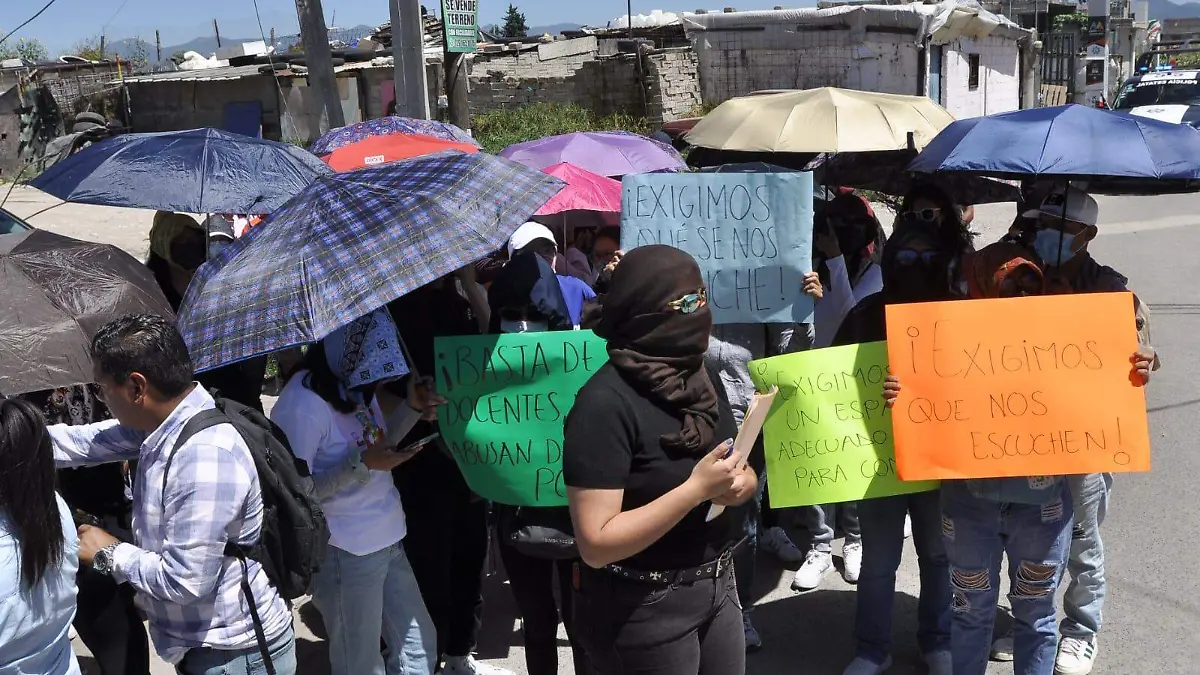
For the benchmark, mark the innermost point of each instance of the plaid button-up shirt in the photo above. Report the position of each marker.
(186, 585)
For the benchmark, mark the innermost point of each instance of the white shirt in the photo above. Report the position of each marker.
(841, 298)
(364, 517)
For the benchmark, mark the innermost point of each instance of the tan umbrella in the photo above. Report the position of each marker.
(820, 120)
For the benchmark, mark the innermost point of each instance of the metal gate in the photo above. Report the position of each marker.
(1059, 59)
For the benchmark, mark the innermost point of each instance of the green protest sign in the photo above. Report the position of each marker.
(828, 438)
(508, 397)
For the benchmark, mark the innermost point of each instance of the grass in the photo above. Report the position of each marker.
(499, 129)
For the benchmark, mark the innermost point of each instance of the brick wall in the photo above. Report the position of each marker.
(673, 84)
(169, 106)
(999, 83)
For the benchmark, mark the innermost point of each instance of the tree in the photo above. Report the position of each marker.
(88, 48)
(26, 49)
(515, 27)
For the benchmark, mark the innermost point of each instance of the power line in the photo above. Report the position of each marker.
(114, 15)
(28, 21)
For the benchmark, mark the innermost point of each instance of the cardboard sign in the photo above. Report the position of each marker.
(751, 233)
(508, 398)
(1017, 387)
(828, 438)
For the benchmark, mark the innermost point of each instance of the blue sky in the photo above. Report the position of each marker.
(180, 20)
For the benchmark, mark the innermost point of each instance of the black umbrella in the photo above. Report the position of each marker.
(55, 293)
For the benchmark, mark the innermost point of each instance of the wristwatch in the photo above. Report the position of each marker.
(102, 562)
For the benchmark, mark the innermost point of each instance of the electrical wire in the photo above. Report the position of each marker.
(114, 15)
(28, 21)
(271, 63)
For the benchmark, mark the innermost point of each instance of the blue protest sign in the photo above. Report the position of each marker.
(751, 233)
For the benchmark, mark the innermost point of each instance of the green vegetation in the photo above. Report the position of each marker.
(501, 128)
(515, 27)
(28, 49)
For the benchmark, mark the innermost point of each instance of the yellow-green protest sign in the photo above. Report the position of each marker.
(508, 396)
(828, 438)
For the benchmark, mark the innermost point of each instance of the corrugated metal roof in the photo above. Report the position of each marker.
(202, 75)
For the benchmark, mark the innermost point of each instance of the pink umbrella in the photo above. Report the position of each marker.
(585, 191)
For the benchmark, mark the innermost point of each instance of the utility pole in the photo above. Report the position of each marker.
(217, 30)
(315, 38)
(408, 50)
(458, 102)
(157, 47)
(102, 46)
(272, 37)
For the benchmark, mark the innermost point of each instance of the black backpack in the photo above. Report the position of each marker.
(294, 532)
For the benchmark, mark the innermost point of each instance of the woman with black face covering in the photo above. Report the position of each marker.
(178, 247)
(645, 457)
(919, 264)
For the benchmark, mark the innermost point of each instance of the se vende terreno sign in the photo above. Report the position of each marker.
(508, 396)
(1017, 387)
(751, 234)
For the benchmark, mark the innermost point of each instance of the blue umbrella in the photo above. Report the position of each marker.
(194, 171)
(350, 243)
(1113, 152)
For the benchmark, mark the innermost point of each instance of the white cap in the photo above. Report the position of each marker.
(527, 234)
(1073, 204)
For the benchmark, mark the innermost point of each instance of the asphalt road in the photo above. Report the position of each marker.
(1152, 542)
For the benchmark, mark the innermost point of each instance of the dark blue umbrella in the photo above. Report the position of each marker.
(1113, 152)
(350, 243)
(194, 171)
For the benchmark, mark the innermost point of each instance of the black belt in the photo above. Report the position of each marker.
(709, 570)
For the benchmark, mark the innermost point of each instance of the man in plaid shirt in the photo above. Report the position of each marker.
(189, 589)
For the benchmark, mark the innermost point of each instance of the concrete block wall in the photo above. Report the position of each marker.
(169, 106)
(673, 84)
(999, 87)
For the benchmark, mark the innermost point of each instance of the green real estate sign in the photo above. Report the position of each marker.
(460, 20)
(508, 396)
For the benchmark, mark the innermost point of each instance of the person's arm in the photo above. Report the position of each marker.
(90, 444)
(836, 304)
(205, 491)
(307, 426)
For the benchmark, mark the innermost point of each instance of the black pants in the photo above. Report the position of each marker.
(446, 544)
(109, 624)
(635, 628)
(532, 582)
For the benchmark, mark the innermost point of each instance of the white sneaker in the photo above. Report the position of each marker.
(1076, 656)
(1002, 648)
(863, 666)
(816, 565)
(851, 561)
(776, 541)
(467, 665)
(907, 527)
(753, 641)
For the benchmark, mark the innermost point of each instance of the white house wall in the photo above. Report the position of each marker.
(999, 87)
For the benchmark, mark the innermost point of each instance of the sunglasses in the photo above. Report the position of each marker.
(924, 215)
(690, 303)
(910, 257)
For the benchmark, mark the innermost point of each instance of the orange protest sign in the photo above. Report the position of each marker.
(1017, 387)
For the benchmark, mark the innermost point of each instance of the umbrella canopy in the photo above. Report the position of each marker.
(1112, 151)
(607, 153)
(194, 171)
(58, 292)
(388, 126)
(351, 243)
(383, 149)
(585, 191)
(820, 120)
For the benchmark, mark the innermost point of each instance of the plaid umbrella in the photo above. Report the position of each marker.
(351, 243)
(389, 126)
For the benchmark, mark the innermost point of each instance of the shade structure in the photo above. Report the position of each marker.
(1114, 152)
(607, 153)
(195, 171)
(58, 292)
(387, 126)
(351, 243)
(383, 149)
(820, 120)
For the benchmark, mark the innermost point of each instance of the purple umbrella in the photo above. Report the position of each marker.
(387, 126)
(607, 153)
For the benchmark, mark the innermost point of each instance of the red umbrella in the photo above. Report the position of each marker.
(585, 191)
(384, 149)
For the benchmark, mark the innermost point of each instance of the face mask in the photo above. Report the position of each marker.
(1054, 247)
(509, 326)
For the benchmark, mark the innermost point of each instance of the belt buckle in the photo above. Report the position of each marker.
(723, 562)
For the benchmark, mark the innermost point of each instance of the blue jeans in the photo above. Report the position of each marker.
(208, 661)
(978, 532)
(882, 523)
(1083, 603)
(821, 521)
(363, 597)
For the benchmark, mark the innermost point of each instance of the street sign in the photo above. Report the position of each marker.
(1095, 51)
(460, 21)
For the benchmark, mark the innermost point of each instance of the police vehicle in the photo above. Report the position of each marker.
(1161, 91)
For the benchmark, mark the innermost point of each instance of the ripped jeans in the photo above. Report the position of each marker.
(1036, 538)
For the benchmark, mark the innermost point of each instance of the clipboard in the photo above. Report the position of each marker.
(752, 424)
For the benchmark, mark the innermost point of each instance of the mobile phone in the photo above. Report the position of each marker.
(84, 518)
(417, 445)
